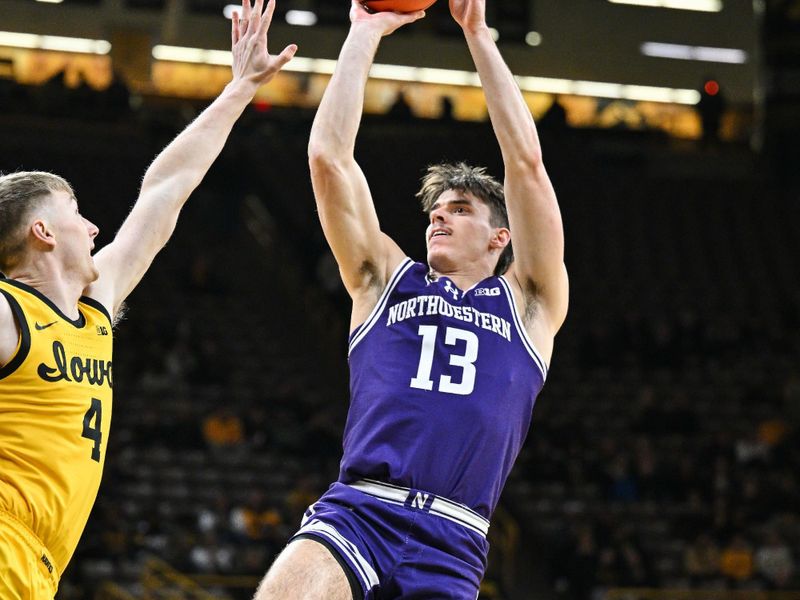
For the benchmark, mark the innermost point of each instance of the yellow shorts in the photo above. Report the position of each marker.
(26, 570)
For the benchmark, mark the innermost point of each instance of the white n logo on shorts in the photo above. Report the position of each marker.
(419, 500)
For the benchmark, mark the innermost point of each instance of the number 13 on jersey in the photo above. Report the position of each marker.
(465, 361)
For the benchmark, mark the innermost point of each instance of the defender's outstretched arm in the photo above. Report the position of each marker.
(181, 166)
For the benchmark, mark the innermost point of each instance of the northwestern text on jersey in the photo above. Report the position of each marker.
(436, 305)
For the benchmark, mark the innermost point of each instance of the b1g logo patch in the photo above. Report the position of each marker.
(495, 291)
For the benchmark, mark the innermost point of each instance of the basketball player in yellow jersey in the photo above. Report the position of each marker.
(57, 308)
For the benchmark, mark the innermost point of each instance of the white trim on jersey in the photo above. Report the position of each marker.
(364, 328)
(441, 507)
(526, 341)
(364, 571)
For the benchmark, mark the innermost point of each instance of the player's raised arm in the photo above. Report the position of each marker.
(534, 216)
(365, 255)
(180, 167)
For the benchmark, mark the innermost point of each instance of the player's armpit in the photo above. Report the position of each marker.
(9, 332)
(543, 302)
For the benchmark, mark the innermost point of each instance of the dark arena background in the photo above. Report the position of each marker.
(664, 457)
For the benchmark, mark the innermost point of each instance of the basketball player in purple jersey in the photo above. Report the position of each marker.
(446, 359)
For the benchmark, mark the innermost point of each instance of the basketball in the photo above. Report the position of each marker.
(401, 6)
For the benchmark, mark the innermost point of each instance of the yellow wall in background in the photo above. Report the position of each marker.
(33, 67)
(199, 81)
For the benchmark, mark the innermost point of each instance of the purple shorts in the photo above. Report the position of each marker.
(400, 543)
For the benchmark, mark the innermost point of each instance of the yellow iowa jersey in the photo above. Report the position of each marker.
(55, 412)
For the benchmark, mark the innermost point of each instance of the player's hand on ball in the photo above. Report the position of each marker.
(385, 21)
(401, 6)
(251, 59)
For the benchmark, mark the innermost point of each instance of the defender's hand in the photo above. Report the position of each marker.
(251, 60)
(382, 22)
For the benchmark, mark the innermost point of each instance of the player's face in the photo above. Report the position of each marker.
(460, 231)
(74, 235)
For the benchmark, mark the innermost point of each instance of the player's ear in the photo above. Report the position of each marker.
(501, 238)
(42, 233)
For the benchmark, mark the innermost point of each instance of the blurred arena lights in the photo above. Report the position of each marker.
(301, 17)
(293, 17)
(323, 66)
(192, 55)
(701, 53)
(54, 42)
(698, 5)
(711, 87)
(533, 38)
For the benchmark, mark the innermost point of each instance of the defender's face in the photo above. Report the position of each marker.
(459, 232)
(74, 234)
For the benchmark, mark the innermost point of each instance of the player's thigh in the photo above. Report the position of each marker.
(305, 570)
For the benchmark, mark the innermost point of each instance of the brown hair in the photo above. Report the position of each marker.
(21, 193)
(465, 178)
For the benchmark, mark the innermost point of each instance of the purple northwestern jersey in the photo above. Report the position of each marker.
(442, 385)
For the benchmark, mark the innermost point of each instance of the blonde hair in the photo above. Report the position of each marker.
(20, 194)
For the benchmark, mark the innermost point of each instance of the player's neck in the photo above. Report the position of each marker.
(61, 289)
(463, 279)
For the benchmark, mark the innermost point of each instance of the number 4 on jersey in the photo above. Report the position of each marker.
(465, 361)
(94, 433)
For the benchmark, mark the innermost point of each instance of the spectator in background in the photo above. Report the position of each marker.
(772, 432)
(400, 110)
(223, 430)
(750, 449)
(209, 555)
(214, 519)
(555, 117)
(7, 83)
(634, 566)
(711, 108)
(701, 560)
(115, 100)
(774, 562)
(256, 522)
(736, 561)
(53, 97)
(447, 108)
